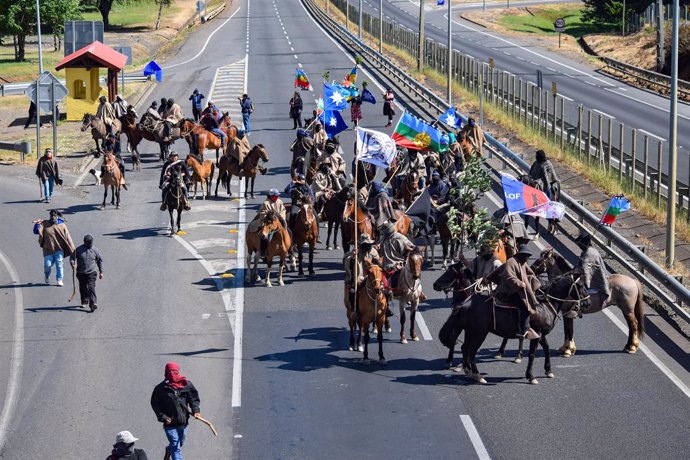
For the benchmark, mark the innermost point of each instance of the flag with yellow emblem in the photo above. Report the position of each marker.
(413, 133)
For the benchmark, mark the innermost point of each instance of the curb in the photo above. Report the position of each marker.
(462, 15)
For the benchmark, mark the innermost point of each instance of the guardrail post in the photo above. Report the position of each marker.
(562, 123)
(660, 151)
(600, 140)
(588, 142)
(523, 97)
(580, 219)
(645, 180)
(621, 143)
(580, 109)
(633, 161)
(610, 147)
(643, 250)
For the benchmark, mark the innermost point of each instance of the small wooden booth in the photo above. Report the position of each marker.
(83, 79)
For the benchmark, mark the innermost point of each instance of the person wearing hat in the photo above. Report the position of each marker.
(272, 203)
(394, 249)
(120, 107)
(124, 448)
(367, 254)
(174, 167)
(388, 106)
(163, 106)
(172, 116)
(151, 114)
(337, 163)
(325, 183)
(319, 135)
(296, 107)
(173, 401)
(210, 108)
(48, 174)
(89, 264)
(300, 194)
(56, 242)
(516, 285)
(438, 189)
(482, 265)
(238, 148)
(378, 204)
(247, 109)
(302, 147)
(210, 123)
(105, 113)
(196, 98)
(475, 135)
(542, 170)
(412, 162)
(594, 273)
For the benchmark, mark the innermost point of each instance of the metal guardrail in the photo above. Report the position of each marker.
(24, 148)
(647, 76)
(18, 88)
(661, 277)
(214, 13)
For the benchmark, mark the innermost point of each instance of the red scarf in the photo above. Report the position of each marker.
(173, 377)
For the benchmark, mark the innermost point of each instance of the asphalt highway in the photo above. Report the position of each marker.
(272, 364)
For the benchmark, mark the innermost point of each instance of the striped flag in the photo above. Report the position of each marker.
(301, 80)
(617, 205)
(352, 76)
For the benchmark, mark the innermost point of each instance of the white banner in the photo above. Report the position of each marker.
(375, 147)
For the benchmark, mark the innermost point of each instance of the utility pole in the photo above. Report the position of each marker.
(38, 30)
(673, 143)
(381, 26)
(359, 31)
(420, 51)
(624, 18)
(450, 53)
(328, 4)
(660, 52)
(38, 85)
(347, 15)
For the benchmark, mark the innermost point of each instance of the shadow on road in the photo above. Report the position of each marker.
(72, 308)
(139, 233)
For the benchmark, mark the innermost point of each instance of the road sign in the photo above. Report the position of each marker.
(127, 51)
(559, 25)
(46, 83)
(79, 34)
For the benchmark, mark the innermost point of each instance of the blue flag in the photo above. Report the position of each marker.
(451, 118)
(367, 96)
(335, 97)
(332, 122)
(520, 197)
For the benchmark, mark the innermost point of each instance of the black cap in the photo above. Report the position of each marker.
(584, 239)
(88, 238)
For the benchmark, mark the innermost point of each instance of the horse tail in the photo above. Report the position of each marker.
(195, 142)
(639, 310)
(451, 329)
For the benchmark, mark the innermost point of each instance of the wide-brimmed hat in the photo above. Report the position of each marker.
(174, 154)
(273, 192)
(365, 239)
(524, 251)
(125, 437)
(485, 249)
(584, 239)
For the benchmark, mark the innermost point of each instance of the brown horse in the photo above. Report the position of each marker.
(203, 174)
(626, 294)
(200, 139)
(364, 225)
(279, 243)
(371, 307)
(410, 288)
(332, 212)
(304, 230)
(408, 188)
(130, 129)
(99, 130)
(111, 177)
(229, 167)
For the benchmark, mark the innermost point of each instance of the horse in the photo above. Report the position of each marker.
(332, 212)
(448, 243)
(363, 222)
(129, 127)
(410, 289)
(279, 243)
(174, 200)
(408, 188)
(200, 138)
(98, 129)
(230, 130)
(304, 230)
(229, 167)
(371, 309)
(626, 294)
(202, 173)
(138, 131)
(111, 177)
(479, 315)
(309, 171)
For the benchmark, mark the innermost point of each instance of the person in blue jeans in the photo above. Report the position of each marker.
(247, 109)
(171, 401)
(196, 98)
(48, 173)
(56, 242)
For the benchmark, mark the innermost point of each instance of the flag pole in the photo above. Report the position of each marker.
(356, 262)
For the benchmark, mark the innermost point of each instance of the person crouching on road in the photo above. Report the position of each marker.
(171, 401)
(56, 242)
(89, 264)
(124, 448)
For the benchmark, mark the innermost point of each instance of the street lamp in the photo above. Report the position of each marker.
(449, 63)
(673, 142)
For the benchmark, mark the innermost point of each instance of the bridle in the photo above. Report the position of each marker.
(578, 300)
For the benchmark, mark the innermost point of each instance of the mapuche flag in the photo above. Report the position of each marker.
(413, 133)
(617, 205)
(301, 80)
(352, 76)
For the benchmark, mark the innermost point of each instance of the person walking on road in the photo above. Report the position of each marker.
(32, 116)
(355, 111)
(48, 174)
(124, 448)
(296, 110)
(89, 265)
(196, 98)
(247, 109)
(388, 109)
(56, 242)
(171, 401)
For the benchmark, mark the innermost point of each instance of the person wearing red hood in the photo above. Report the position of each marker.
(173, 400)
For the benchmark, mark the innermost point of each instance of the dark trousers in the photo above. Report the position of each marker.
(197, 113)
(297, 121)
(523, 312)
(87, 288)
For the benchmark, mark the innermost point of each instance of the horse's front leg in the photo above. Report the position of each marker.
(246, 187)
(502, 349)
(518, 358)
(299, 259)
(179, 219)
(172, 221)
(365, 358)
(311, 260)
(449, 358)
(105, 196)
(547, 356)
(568, 348)
(117, 197)
(253, 179)
(379, 339)
(530, 362)
(403, 318)
(413, 315)
(269, 262)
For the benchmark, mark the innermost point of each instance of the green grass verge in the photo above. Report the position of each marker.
(542, 21)
(128, 15)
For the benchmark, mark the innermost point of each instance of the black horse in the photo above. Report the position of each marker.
(175, 200)
(479, 315)
(333, 209)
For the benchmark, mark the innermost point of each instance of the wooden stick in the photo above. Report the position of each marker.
(74, 284)
(207, 423)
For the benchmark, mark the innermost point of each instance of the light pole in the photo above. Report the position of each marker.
(624, 18)
(38, 30)
(359, 31)
(449, 63)
(380, 26)
(420, 50)
(38, 86)
(673, 143)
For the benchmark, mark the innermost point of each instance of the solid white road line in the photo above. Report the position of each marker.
(17, 357)
(650, 134)
(205, 44)
(474, 437)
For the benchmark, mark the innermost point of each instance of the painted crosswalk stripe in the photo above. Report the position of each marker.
(228, 85)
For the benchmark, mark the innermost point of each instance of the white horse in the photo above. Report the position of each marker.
(410, 291)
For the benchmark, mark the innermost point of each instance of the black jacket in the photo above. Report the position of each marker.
(138, 454)
(175, 404)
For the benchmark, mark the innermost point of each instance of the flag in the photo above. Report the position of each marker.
(302, 80)
(520, 197)
(319, 106)
(617, 205)
(335, 97)
(332, 122)
(413, 133)
(451, 118)
(367, 96)
(352, 76)
(375, 147)
(550, 210)
(420, 209)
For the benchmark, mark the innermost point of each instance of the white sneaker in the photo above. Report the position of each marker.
(60, 283)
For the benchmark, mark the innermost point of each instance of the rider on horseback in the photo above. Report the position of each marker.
(210, 123)
(112, 145)
(482, 265)
(300, 194)
(325, 184)
(395, 248)
(337, 162)
(366, 255)
(272, 204)
(319, 135)
(517, 284)
(475, 135)
(596, 277)
(238, 148)
(413, 162)
(105, 113)
(172, 169)
(379, 204)
(120, 107)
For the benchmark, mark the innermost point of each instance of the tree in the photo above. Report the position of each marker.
(18, 20)
(611, 11)
(161, 4)
(54, 13)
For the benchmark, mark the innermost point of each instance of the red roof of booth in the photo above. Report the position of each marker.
(94, 55)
